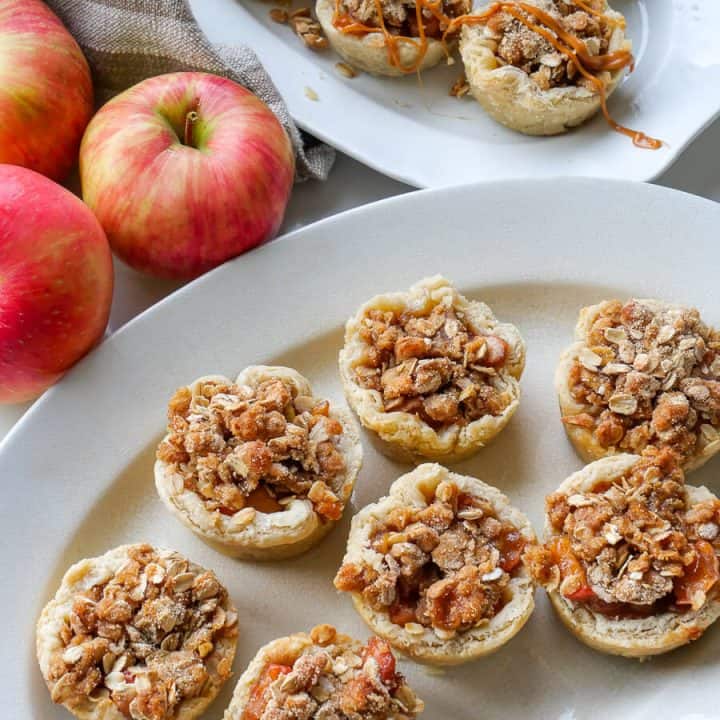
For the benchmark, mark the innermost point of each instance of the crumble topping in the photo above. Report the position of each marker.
(633, 546)
(648, 376)
(145, 637)
(303, 24)
(400, 16)
(334, 682)
(243, 449)
(346, 70)
(446, 566)
(460, 88)
(433, 365)
(308, 29)
(519, 45)
(279, 15)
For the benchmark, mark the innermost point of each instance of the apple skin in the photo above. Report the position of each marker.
(56, 282)
(177, 210)
(46, 97)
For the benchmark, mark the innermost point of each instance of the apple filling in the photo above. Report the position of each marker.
(633, 546)
(517, 43)
(433, 365)
(334, 680)
(239, 447)
(648, 376)
(446, 566)
(144, 637)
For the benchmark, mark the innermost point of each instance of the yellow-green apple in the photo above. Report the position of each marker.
(56, 282)
(184, 171)
(45, 89)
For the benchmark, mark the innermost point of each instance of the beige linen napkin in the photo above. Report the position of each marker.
(126, 41)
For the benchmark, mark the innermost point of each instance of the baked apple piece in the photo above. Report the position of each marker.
(138, 632)
(435, 567)
(543, 66)
(258, 468)
(630, 559)
(641, 373)
(433, 374)
(385, 37)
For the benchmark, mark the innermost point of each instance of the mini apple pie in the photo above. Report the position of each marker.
(258, 468)
(137, 633)
(544, 66)
(323, 675)
(434, 374)
(642, 373)
(630, 560)
(392, 38)
(436, 567)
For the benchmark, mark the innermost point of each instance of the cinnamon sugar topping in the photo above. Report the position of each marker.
(243, 449)
(334, 679)
(519, 45)
(145, 637)
(433, 365)
(446, 566)
(634, 545)
(648, 375)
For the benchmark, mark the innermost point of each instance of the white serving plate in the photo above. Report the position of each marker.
(77, 470)
(420, 135)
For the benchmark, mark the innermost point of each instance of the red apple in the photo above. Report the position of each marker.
(56, 282)
(46, 97)
(185, 171)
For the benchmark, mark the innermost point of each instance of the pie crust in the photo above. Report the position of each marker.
(629, 637)
(584, 439)
(420, 642)
(58, 613)
(287, 650)
(265, 536)
(404, 436)
(511, 97)
(369, 52)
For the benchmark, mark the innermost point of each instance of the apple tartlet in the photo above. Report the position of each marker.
(641, 373)
(630, 560)
(323, 674)
(139, 633)
(436, 567)
(391, 38)
(433, 374)
(544, 66)
(258, 468)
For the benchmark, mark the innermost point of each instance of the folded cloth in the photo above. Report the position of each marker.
(126, 41)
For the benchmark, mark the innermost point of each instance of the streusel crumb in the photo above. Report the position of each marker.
(648, 376)
(144, 637)
(239, 447)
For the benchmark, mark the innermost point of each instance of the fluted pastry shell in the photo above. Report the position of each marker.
(512, 98)
(404, 436)
(412, 490)
(629, 637)
(583, 439)
(81, 577)
(269, 536)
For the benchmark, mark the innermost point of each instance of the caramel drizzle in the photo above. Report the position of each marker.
(576, 53)
(564, 42)
(616, 22)
(347, 26)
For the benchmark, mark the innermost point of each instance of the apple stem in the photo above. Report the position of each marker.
(190, 120)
